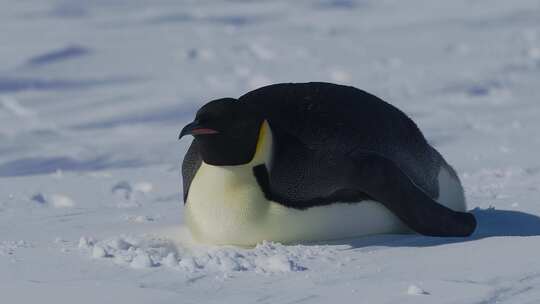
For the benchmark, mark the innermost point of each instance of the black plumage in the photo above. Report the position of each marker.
(336, 143)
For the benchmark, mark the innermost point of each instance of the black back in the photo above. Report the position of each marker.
(316, 125)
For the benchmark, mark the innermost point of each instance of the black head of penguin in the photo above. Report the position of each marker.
(227, 132)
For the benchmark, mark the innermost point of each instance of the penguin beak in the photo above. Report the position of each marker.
(195, 128)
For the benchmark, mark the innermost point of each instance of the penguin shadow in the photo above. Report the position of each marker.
(491, 223)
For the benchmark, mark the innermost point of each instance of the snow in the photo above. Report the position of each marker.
(99, 252)
(154, 251)
(61, 201)
(415, 290)
(94, 93)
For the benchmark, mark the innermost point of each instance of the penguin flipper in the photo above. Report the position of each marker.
(386, 183)
(191, 164)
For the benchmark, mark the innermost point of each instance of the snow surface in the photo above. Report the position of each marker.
(93, 94)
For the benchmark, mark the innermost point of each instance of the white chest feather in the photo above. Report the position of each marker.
(226, 206)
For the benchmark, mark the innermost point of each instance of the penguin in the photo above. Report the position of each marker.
(309, 162)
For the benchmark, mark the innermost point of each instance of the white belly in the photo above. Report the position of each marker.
(226, 206)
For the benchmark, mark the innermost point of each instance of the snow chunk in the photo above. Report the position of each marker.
(99, 252)
(56, 200)
(131, 195)
(85, 243)
(118, 244)
(123, 189)
(61, 201)
(141, 260)
(278, 263)
(170, 260)
(416, 291)
(59, 174)
(188, 264)
(39, 198)
(144, 187)
(59, 240)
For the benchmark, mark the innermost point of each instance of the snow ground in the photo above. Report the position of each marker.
(93, 94)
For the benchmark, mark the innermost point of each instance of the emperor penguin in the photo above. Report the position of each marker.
(305, 162)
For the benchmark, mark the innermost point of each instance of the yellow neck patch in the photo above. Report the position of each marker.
(264, 144)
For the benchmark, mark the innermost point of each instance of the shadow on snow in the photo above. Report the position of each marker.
(491, 223)
(69, 52)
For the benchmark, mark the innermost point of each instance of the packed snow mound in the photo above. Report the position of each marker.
(156, 252)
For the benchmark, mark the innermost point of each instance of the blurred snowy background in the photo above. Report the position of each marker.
(93, 94)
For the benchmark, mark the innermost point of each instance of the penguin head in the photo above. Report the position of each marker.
(227, 132)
